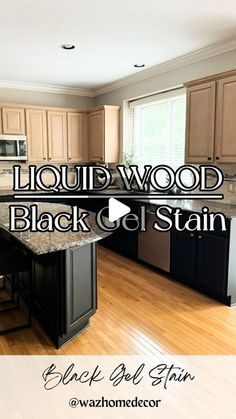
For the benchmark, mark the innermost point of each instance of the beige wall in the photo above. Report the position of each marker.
(48, 99)
(222, 62)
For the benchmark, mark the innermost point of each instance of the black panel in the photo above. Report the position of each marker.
(81, 284)
(183, 256)
(48, 278)
(212, 264)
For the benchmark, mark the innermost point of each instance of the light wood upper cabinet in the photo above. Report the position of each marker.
(64, 134)
(104, 134)
(96, 136)
(211, 119)
(225, 145)
(200, 123)
(57, 136)
(36, 130)
(13, 120)
(77, 137)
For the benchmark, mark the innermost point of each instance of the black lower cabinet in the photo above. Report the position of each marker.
(201, 261)
(64, 291)
(212, 265)
(183, 260)
(123, 240)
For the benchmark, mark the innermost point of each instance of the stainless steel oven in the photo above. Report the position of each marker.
(13, 147)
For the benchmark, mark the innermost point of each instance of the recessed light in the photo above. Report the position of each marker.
(68, 46)
(139, 65)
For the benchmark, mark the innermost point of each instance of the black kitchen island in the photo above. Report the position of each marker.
(63, 273)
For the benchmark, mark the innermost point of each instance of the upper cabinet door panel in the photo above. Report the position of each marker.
(36, 129)
(200, 123)
(0, 121)
(57, 136)
(13, 120)
(76, 136)
(225, 151)
(97, 135)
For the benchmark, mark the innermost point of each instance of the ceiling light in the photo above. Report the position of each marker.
(68, 46)
(139, 65)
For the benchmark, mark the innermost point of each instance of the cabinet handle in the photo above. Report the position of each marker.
(200, 237)
(69, 158)
(208, 158)
(217, 158)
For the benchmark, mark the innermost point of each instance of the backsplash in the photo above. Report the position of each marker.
(6, 174)
(228, 189)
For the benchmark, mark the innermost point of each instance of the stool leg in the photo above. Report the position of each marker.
(17, 291)
(30, 298)
(3, 287)
(10, 300)
(13, 287)
(28, 324)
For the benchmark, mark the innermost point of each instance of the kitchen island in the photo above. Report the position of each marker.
(203, 260)
(63, 273)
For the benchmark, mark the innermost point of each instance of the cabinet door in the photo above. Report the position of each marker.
(226, 121)
(200, 123)
(47, 281)
(0, 121)
(183, 256)
(36, 128)
(96, 136)
(212, 262)
(13, 120)
(57, 136)
(80, 287)
(77, 141)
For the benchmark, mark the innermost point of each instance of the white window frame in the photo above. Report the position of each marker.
(147, 101)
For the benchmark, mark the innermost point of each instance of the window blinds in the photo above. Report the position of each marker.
(157, 129)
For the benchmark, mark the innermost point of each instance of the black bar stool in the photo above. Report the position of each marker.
(5, 244)
(13, 261)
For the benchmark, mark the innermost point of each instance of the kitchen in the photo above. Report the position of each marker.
(128, 292)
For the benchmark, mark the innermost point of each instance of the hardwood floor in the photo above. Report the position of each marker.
(140, 312)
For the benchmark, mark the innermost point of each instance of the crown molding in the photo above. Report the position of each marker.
(46, 88)
(175, 63)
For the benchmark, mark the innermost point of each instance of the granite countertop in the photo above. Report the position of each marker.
(10, 192)
(226, 206)
(47, 242)
(192, 205)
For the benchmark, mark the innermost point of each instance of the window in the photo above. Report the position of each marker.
(157, 130)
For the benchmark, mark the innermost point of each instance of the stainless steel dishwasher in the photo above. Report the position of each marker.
(154, 245)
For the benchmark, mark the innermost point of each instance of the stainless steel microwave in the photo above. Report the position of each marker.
(13, 147)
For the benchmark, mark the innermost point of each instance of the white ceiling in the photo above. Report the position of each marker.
(111, 36)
